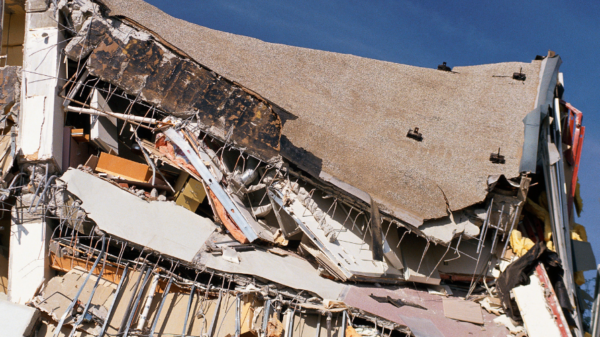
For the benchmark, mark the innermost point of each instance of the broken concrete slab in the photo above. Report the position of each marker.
(17, 320)
(275, 268)
(60, 291)
(359, 297)
(445, 229)
(161, 226)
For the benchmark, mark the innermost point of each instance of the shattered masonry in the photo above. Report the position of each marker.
(158, 186)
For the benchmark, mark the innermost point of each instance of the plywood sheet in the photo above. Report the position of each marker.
(462, 310)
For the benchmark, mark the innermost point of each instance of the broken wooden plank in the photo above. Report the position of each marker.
(121, 167)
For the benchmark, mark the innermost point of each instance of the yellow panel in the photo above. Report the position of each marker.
(195, 190)
(189, 203)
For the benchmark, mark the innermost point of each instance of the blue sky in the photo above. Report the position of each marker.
(425, 33)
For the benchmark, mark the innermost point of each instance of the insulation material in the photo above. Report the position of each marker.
(519, 243)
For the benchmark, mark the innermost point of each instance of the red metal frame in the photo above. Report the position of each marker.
(552, 301)
(573, 136)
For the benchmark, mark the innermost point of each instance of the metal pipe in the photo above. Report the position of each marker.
(68, 311)
(344, 324)
(75, 88)
(137, 301)
(126, 314)
(266, 317)
(162, 302)
(211, 329)
(290, 327)
(43, 192)
(154, 168)
(187, 311)
(483, 231)
(329, 324)
(117, 292)
(496, 232)
(510, 231)
(124, 117)
(148, 302)
(237, 315)
(318, 325)
(87, 305)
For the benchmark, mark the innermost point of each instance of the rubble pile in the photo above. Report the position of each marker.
(149, 189)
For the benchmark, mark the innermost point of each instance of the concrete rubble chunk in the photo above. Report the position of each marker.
(18, 320)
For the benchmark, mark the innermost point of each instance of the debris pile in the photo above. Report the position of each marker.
(149, 190)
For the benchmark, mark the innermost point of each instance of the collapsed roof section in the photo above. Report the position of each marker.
(341, 118)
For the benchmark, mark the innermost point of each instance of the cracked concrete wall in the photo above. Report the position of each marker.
(41, 118)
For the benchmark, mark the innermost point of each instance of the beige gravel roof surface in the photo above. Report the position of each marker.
(353, 113)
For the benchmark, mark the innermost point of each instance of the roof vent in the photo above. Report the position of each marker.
(415, 134)
(444, 67)
(519, 76)
(497, 158)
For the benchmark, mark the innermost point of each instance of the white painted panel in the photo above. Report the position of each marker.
(538, 319)
(103, 131)
(33, 111)
(28, 266)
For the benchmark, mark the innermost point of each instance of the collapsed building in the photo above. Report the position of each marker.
(161, 178)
